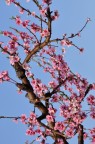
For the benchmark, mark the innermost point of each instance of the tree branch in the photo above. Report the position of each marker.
(40, 46)
(80, 136)
(26, 86)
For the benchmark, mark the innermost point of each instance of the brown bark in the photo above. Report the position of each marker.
(80, 136)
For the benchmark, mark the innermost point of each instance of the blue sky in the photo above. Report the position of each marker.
(73, 15)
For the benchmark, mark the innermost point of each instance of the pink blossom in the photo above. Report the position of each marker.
(26, 66)
(23, 118)
(14, 38)
(66, 42)
(19, 91)
(93, 139)
(4, 76)
(14, 59)
(55, 16)
(32, 119)
(25, 23)
(21, 11)
(52, 111)
(43, 12)
(8, 2)
(60, 141)
(69, 133)
(38, 139)
(63, 42)
(18, 20)
(47, 1)
(49, 118)
(30, 132)
(1, 77)
(91, 100)
(88, 19)
(12, 46)
(45, 33)
(26, 45)
(85, 135)
(64, 111)
(35, 28)
(59, 126)
(39, 88)
(5, 33)
(32, 115)
(55, 98)
(51, 71)
(52, 84)
(38, 131)
(93, 86)
(79, 34)
(50, 50)
(33, 14)
(79, 117)
(48, 132)
(92, 115)
(92, 131)
(29, 74)
(63, 50)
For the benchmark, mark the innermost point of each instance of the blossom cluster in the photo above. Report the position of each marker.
(67, 90)
(92, 133)
(8, 2)
(4, 76)
(39, 88)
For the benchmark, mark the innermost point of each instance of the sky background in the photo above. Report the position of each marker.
(73, 15)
